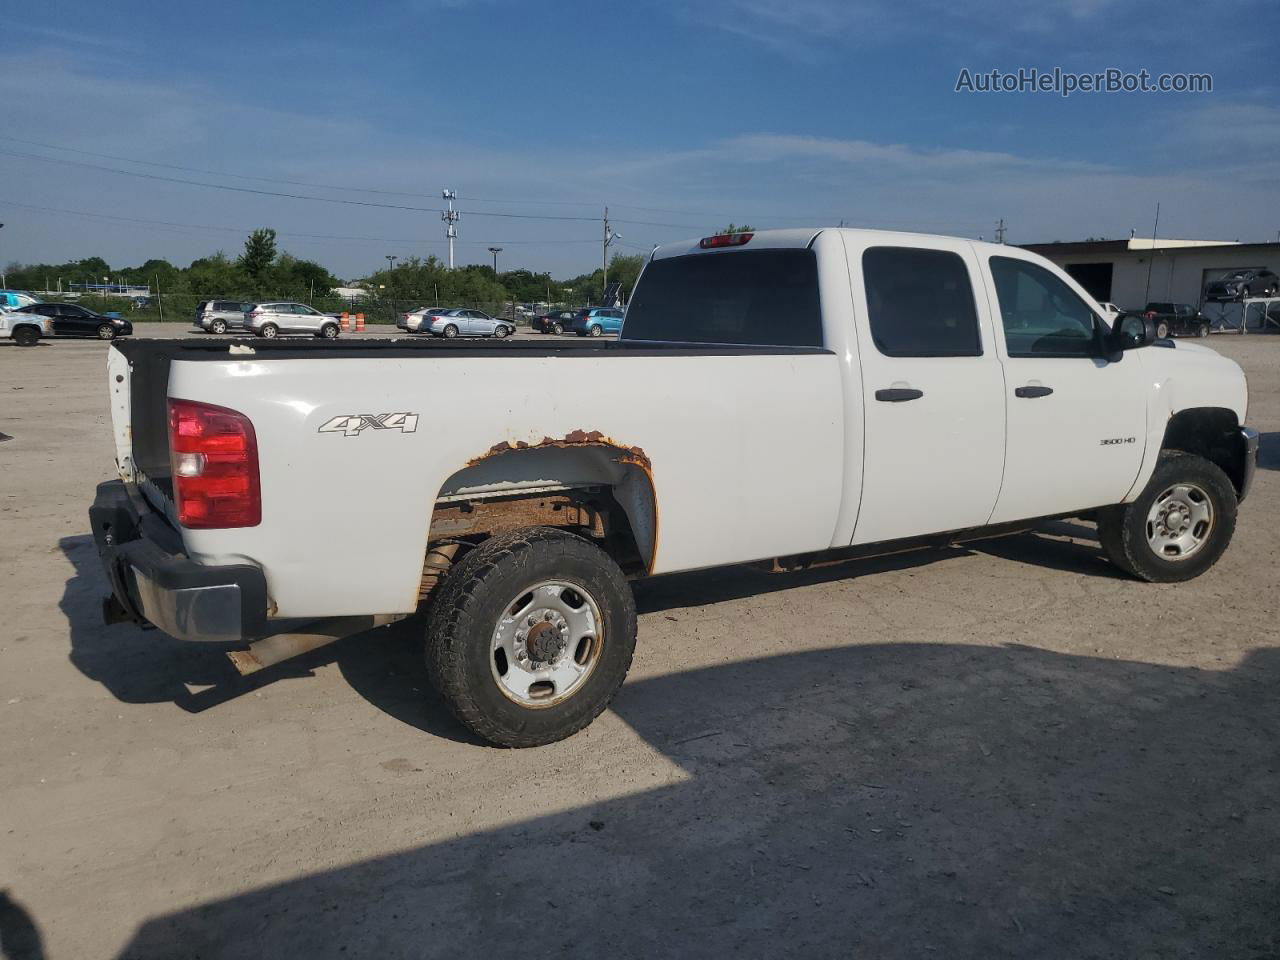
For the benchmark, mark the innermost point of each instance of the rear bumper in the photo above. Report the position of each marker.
(153, 583)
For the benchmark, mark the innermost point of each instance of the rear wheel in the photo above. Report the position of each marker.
(329, 331)
(557, 328)
(1162, 330)
(106, 332)
(595, 331)
(530, 636)
(450, 331)
(269, 330)
(1178, 527)
(218, 326)
(26, 336)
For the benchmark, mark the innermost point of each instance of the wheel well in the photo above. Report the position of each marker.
(586, 484)
(1212, 433)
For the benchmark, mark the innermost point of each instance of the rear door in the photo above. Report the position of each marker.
(1077, 422)
(933, 389)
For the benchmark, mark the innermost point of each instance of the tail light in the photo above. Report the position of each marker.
(1150, 315)
(214, 454)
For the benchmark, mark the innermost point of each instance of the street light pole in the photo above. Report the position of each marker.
(495, 251)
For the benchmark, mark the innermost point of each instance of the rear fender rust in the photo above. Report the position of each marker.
(638, 499)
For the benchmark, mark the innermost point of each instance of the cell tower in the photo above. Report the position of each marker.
(450, 217)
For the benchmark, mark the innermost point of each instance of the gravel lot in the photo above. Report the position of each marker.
(1005, 750)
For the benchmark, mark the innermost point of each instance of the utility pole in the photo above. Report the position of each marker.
(450, 217)
(495, 251)
(391, 259)
(1000, 230)
(609, 237)
(3, 282)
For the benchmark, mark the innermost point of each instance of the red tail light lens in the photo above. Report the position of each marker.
(725, 240)
(214, 456)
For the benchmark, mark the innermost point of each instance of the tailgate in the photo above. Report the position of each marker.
(139, 386)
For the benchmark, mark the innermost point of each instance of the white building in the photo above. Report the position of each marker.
(1132, 273)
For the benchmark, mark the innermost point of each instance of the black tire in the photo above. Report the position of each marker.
(1122, 529)
(450, 332)
(26, 336)
(594, 331)
(1162, 330)
(329, 331)
(500, 331)
(218, 326)
(1202, 330)
(269, 330)
(106, 331)
(557, 328)
(473, 598)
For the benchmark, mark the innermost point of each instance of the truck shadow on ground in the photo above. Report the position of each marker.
(386, 666)
(879, 801)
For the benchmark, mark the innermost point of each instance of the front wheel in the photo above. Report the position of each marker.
(106, 332)
(26, 336)
(269, 330)
(329, 331)
(1178, 527)
(1202, 330)
(530, 636)
(500, 332)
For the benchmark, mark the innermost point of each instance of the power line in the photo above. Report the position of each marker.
(245, 230)
(290, 196)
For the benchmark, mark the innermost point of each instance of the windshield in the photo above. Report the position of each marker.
(761, 297)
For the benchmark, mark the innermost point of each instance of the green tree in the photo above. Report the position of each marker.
(734, 228)
(259, 252)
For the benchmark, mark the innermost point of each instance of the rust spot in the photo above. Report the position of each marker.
(574, 438)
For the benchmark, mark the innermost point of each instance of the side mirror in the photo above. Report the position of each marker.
(1130, 331)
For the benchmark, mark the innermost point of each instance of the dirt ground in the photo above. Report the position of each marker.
(1006, 750)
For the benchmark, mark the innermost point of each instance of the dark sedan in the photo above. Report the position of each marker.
(553, 321)
(1240, 284)
(73, 320)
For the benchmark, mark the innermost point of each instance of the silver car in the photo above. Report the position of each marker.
(272, 319)
(219, 316)
(461, 322)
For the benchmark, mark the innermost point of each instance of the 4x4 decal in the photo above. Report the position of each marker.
(350, 425)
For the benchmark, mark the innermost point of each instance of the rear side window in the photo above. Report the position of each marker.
(920, 303)
(757, 297)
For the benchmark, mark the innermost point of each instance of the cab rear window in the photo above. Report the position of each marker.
(756, 297)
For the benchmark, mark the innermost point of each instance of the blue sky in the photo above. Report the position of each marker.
(679, 116)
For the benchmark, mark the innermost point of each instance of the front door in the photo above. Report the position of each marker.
(932, 390)
(1077, 422)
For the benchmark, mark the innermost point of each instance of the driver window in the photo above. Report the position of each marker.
(1042, 315)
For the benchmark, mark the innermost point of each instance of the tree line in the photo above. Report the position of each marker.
(262, 271)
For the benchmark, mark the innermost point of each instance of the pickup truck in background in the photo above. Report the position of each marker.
(1177, 319)
(794, 395)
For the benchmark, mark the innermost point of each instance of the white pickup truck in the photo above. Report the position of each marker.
(796, 395)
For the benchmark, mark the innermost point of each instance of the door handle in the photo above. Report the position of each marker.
(1032, 392)
(898, 395)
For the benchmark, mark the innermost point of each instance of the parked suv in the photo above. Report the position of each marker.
(219, 316)
(272, 319)
(73, 320)
(1240, 284)
(596, 321)
(1178, 319)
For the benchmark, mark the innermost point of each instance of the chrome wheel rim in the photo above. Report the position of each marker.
(1179, 522)
(268, 332)
(546, 643)
(450, 332)
(105, 332)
